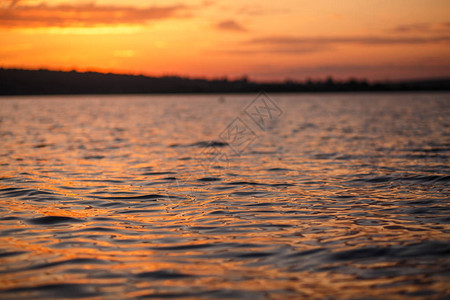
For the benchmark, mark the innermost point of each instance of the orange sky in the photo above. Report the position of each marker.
(264, 39)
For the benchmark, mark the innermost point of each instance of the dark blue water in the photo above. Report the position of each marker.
(308, 196)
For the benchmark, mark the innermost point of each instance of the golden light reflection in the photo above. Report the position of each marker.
(88, 196)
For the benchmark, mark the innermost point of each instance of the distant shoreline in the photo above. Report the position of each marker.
(23, 82)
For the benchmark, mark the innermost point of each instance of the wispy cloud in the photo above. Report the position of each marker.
(418, 28)
(412, 27)
(254, 9)
(294, 50)
(10, 3)
(362, 40)
(294, 45)
(84, 15)
(230, 25)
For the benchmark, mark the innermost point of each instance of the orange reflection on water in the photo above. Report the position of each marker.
(111, 194)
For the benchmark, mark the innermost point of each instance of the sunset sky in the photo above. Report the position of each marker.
(264, 39)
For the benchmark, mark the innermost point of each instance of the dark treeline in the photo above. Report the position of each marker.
(45, 82)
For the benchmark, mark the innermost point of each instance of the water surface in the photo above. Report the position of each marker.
(341, 196)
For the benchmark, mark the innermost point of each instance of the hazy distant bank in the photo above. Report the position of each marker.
(45, 82)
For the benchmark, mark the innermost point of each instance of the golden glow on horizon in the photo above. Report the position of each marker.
(262, 39)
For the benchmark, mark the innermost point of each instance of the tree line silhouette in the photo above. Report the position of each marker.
(46, 82)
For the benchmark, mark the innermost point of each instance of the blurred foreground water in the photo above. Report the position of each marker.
(341, 197)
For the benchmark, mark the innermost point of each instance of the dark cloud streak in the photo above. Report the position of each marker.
(412, 27)
(230, 25)
(422, 28)
(362, 40)
(84, 15)
(293, 45)
(306, 49)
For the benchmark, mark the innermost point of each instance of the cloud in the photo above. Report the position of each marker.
(230, 25)
(83, 15)
(427, 28)
(412, 27)
(299, 49)
(254, 9)
(362, 40)
(293, 45)
(13, 3)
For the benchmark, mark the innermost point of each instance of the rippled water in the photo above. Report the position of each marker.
(340, 196)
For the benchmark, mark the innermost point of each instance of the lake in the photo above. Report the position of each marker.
(279, 196)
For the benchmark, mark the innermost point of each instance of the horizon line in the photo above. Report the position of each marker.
(235, 78)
